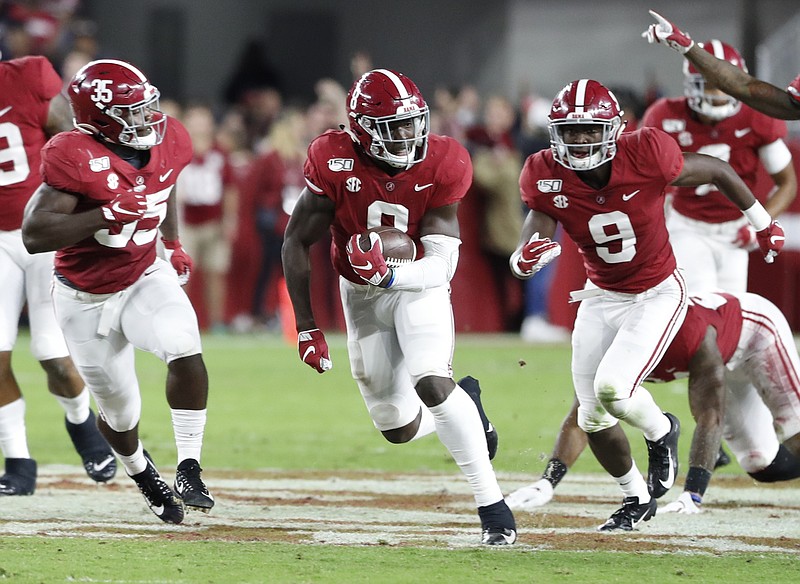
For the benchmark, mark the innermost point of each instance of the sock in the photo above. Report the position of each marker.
(784, 466)
(135, 463)
(426, 424)
(13, 441)
(188, 427)
(554, 472)
(76, 408)
(459, 428)
(633, 484)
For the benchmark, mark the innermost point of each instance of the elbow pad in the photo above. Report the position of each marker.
(435, 269)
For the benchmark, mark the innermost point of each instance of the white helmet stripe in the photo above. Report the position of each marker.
(580, 96)
(127, 66)
(719, 50)
(401, 89)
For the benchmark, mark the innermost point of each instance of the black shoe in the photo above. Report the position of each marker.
(190, 487)
(722, 458)
(473, 389)
(98, 459)
(630, 514)
(497, 524)
(20, 477)
(662, 457)
(159, 497)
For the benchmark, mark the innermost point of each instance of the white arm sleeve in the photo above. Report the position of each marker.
(775, 156)
(435, 269)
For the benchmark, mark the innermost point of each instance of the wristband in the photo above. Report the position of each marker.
(757, 216)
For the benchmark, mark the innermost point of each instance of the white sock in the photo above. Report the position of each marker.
(427, 425)
(135, 463)
(633, 484)
(13, 441)
(76, 408)
(188, 426)
(461, 431)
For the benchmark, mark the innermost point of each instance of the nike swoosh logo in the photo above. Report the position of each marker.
(105, 463)
(309, 351)
(5, 110)
(742, 132)
(119, 209)
(776, 238)
(367, 266)
(670, 477)
(629, 196)
(158, 510)
(419, 188)
(165, 176)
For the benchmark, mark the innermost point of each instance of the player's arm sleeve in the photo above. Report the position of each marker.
(60, 171)
(666, 152)
(775, 156)
(435, 269)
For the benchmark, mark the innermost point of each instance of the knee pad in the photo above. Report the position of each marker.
(595, 421)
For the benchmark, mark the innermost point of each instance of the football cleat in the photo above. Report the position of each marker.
(663, 460)
(630, 514)
(190, 487)
(722, 458)
(20, 477)
(159, 497)
(685, 504)
(497, 524)
(97, 456)
(473, 389)
(529, 498)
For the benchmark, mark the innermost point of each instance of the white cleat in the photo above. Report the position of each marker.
(683, 504)
(529, 498)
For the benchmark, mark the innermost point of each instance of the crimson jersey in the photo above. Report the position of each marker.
(736, 140)
(620, 229)
(365, 196)
(721, 311)
(28, 84)
(114, 258)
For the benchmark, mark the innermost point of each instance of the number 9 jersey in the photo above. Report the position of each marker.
(115, 257)
(28, 83)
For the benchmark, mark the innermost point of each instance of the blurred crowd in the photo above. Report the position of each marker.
(247, 172)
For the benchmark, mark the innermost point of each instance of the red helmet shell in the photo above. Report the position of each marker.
(714, 105)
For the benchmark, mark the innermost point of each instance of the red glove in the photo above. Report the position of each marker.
(369, 264)
(746, 238)
(771, 240)
(125, 208)
(666, 32)
(180, 260)
(314, 350)
(533, 256)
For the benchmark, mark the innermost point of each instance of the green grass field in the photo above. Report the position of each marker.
(268, 411)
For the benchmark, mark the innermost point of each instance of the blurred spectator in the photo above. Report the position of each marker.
(207, 197)
(497, 165)
(469, 106)
(444, 114)
(360, 63)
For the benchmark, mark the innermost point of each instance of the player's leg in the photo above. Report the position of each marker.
(694, 252)
(157, 317)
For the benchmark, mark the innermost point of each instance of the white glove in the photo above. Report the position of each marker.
(529, 498)
(533, 256)
(669, 34)
(683, 504)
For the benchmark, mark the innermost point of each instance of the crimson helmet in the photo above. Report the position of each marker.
(378, 100)
(585, 101)
(115, 101)
(717, 105)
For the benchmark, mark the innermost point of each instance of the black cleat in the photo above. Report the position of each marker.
(473, 389)
(631, 514)
(190, 487)
(662, 457)
(722, 458)
(159, 497)
(497, 524)
(20, 477)
(98, 459)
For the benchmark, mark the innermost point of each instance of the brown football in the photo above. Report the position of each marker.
(398, 247)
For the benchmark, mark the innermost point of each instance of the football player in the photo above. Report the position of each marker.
(386, 168)
(607, 190)
(744, 385)
(30, 112)
(735, 81)
(108, 190)
(709, 236)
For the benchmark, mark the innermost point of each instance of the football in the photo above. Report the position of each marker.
(398, 247)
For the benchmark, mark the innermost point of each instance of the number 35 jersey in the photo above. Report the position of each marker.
(26, 87)
(113, 258)
(620, 229)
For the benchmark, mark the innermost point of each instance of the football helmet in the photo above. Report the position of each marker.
(115, 101)
(377, 104)
(712, 103)
(585, 102)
